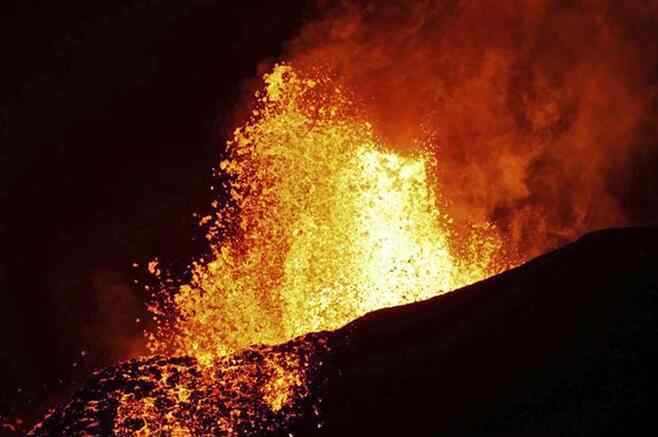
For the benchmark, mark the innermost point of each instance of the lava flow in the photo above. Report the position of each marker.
(322, 223)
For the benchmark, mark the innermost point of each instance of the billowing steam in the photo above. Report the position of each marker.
(537, 110)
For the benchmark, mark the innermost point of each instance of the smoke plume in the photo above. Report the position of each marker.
(541, 113)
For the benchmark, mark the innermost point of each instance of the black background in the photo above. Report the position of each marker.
(112, 116)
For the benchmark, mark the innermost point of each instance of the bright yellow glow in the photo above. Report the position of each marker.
(324, 225)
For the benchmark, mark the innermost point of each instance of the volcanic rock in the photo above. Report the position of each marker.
(565, 344)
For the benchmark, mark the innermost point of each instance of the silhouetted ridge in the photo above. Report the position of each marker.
(565, 344)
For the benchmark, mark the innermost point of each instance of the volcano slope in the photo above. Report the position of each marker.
(565, 344)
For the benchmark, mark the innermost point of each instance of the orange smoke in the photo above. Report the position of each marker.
(534, 106)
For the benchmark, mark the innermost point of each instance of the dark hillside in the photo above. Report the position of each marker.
(563, 345)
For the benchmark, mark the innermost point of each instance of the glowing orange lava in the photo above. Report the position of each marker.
(325, 224)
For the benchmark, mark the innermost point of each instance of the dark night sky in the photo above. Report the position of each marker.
(112, 116)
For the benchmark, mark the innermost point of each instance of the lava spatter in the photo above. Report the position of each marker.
(260, 390)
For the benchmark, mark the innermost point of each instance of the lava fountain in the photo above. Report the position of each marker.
(320, 224)
(323, 225)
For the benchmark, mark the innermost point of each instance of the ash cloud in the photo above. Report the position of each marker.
(541, 113)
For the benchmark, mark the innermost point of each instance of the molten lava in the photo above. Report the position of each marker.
(325, 224)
